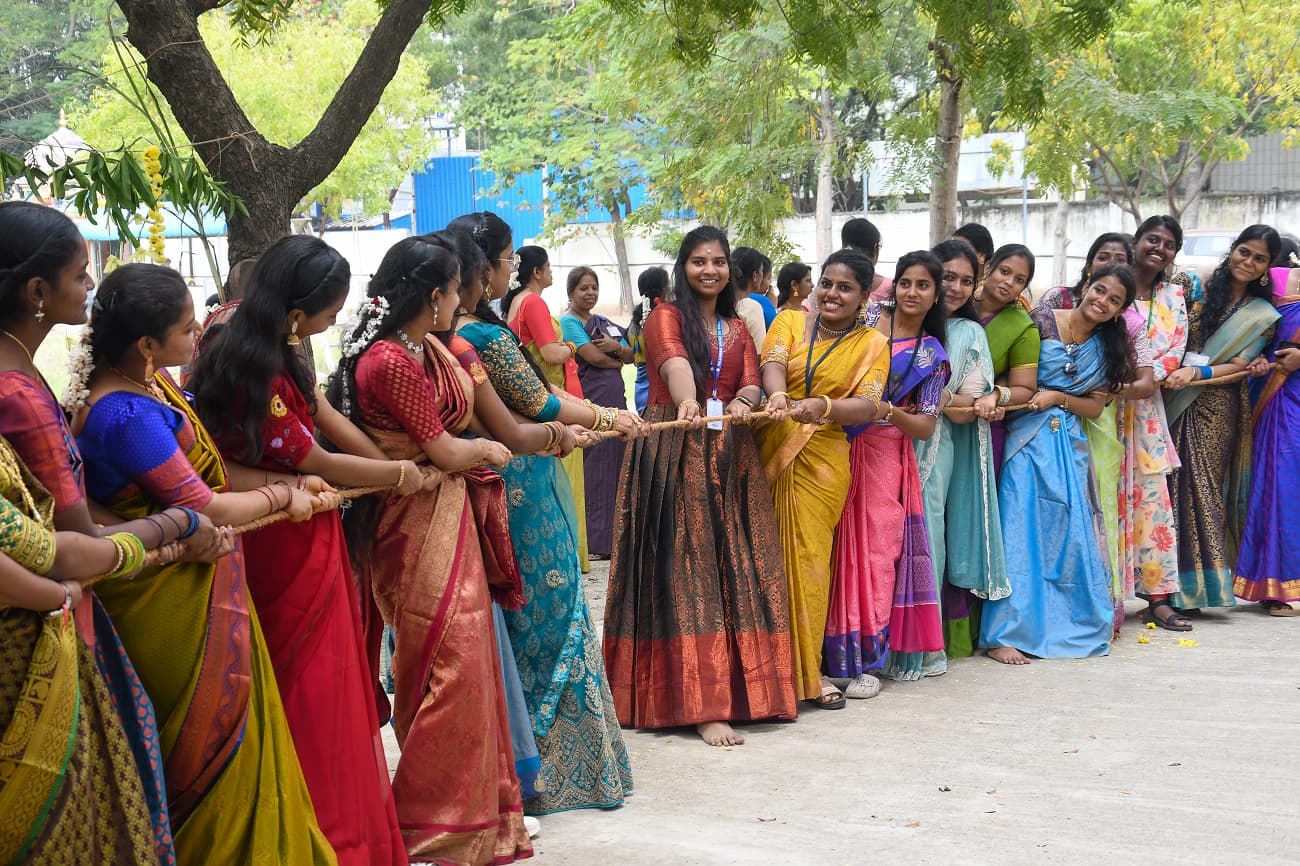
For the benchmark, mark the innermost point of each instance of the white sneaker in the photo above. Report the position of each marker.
(532, 825)
(862, 686)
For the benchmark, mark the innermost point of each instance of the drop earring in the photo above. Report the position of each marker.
(151, 383)
(40, 310)
(294, 339)
(1263, 280)
(435, 317)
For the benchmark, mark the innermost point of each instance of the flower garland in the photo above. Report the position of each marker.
(80, 365)
(376, 310)
(157, 224)
(373, 311)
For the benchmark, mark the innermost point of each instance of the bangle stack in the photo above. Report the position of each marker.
(606, 417)
(130, 554)
(572, 347)
(1207, 372)
(889, 413)
(1004, 395)
(776, 394)
(554, 433)
(748, 402)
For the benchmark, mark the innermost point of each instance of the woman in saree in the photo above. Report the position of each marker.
(1060, 602)
(1147, 523)
(955, 465)
(1013, 339)
(652, 285)
(69, 788)
(1104, 434)
(884, 598)
(1266, 565)
(556, 356)
(1228, 325)
(445, 555)
(794, 287)
(557, 650)
(235, 791)
(602, 352)
(697, 621)
(823, 372)
(258, 400)
(44, 282)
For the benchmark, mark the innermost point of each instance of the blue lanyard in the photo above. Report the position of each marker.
(715, 368)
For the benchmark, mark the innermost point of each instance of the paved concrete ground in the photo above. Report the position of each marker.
(1159, 754)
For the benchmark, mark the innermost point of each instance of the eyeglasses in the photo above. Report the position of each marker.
(514, 262)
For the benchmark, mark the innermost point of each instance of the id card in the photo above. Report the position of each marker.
(713, 406)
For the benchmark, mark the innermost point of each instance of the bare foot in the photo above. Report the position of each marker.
(1008, 655)
(719, 734)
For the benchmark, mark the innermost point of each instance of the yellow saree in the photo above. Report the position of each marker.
(69, 791)
(808, 468)
(235, 789)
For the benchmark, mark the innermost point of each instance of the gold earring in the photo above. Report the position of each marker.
(294, 339)
(487, 290)
(148, 368)
(40, 310)
(435, 315)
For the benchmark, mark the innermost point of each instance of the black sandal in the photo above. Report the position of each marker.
(825, 701)
(1176, 621)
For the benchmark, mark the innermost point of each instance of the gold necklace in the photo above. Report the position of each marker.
(22, 346)
(151, 388)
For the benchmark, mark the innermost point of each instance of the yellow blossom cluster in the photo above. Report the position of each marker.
(157, 224)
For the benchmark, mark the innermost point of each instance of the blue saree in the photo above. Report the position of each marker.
(584, 761)
(1060, 602)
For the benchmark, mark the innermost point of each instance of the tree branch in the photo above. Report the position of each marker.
(198, 7)
(316, 155)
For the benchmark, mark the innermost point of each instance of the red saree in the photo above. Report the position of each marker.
(307, 601)
(446, 553)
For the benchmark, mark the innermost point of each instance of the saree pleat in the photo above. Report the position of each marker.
(961, 507)
(236, 792)
(584, 760)
(697, 622)
(1268, 565)
(457, 794)
(1060, 603)
(1107, 453)
(1211, 428)
(808, 468)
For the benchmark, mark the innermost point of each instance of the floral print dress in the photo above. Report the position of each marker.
(1148, 542)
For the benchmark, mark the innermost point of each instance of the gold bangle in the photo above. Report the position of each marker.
(775, 394)
(826, 416)
(401, 472)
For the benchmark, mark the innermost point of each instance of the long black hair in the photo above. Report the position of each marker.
(652, 285)
(235, 370)
(410, 273)
(136, 300)
(1076, 291)
(531, 260)
(1289, 247)
(1218, 290)
(947, 251)
(791, 273)
(935, 321)
(1116, 344)
(473, 264)
(683, 298)
(35, 241)
(1159, 221)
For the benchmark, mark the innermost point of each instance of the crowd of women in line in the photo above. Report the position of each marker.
(855, 485)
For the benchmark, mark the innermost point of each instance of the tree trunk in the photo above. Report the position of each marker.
(620, 255)
(269, 179)
(947, 145)
(825, 177)
(1192, 208)
(1060, 242)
